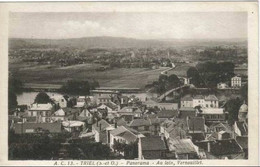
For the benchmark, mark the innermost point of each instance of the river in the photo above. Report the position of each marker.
(28, 97)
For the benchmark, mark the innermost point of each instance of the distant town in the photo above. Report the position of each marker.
(188, 103)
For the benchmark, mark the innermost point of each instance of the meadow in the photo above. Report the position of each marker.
(30, 73)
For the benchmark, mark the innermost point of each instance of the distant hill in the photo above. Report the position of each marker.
(116, 42)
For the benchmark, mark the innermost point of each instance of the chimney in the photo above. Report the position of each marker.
(100, 126)
(108, 136)
(115, 124)
(97, 122)
(208, 144)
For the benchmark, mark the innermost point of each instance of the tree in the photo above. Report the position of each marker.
(232, 107)
(173, 81)
(15, 85)
(42, 98)
(77, 87)
(12, 100)
(244, 92)
(195, 77)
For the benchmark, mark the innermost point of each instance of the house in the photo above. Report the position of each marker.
(103, 99)
(100, 130)
(61, 114)
(219, 131)
(73, 126)
(32, 127)
(221, 149)
(213, 114)
(222, 85)
(81, 102)
(240, 128)
(236, 82)
(220, 126)
(210, 101)
(183, 149)
(162, 106)
(42, 112)
(242, 113)
(64, 114)
(103, 96)
(222, 135)
(110, 107)
(130, 111)
(146, 126)
(187, 102)
(123, 134)
(153, 147)
(176, 128)
(59, 100)
(86, 116)
(198, 100)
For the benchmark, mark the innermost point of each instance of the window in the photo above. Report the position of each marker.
(146, 128)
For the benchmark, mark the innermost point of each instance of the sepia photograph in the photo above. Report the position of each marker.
(120, 85)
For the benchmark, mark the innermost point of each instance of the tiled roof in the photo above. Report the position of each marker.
(40, 107)
(104, 124)
(198, 97)
(168, 114)
(211, 98)
(153, 143)
(212, 111)
(196, 124)
(187, 98)
(197, 136)
(187, 109)
(187, 112)
(130, 109)
(139, 122)
(128, 134)
(121, 122)
(177, 132)
(242, 141)
(225, 126)
(182, 146)
(225, 147)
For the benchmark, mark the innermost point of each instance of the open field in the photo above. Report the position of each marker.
(116, 77)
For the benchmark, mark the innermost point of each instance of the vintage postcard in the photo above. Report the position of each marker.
(129, 83)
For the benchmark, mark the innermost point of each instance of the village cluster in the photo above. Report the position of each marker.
(194, 128)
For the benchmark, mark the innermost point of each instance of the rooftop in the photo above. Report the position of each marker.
(187, 98)
(242, 141)
(103, 124)
(198, 97)
(41, 107)
(211, 98)
(168, 114)
(153, 143)
(139, 122)
(196, 124)
(182, 146)
(212, 110)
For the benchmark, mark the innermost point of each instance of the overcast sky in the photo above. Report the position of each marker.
(180, 25)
